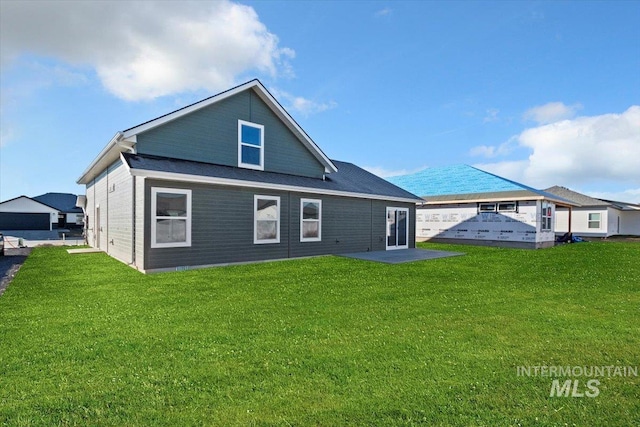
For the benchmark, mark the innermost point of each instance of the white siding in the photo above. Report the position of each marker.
(630, 223)
(120, 206)
(24, 204)
(111, 195)
(580, 221)
(613, 222)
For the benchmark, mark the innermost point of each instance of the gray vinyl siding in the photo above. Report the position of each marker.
(210, 135)
(223, 225)
(221, 228)
(120, 211)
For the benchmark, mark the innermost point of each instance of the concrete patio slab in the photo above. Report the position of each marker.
(83, 251)
(400, 256)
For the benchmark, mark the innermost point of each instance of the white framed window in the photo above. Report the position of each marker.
(310, 220)
(170, 217)
(250, 145)
(547, 216)
(594, 220)
(486, 207)
(508, 207)
(266, 219)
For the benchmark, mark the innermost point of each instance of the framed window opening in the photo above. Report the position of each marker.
(170, 217)
(266, 219)
(250, 145)
(594, 221)
(508, 207)
(547, 216)
(487, 207)
(310, 220)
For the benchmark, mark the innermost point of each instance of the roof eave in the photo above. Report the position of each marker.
(532, 196)
(182, 177)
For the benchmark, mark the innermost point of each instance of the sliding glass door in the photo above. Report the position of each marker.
(397, 228)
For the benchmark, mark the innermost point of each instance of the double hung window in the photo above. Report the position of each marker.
(250, 145)
(170, 217)
(310, 220)
(266, 218)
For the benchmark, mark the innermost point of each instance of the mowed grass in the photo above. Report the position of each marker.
(86, 340)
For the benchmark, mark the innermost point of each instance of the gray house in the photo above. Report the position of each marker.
(233, 178)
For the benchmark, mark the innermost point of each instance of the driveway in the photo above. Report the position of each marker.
(10, 263)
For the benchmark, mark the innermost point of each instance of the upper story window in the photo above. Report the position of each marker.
(250, 145)
(170, 217)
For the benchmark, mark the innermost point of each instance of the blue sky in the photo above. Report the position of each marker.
(544, 93)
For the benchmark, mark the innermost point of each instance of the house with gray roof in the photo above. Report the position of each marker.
(234, 178)
(464, 204)
(595, 217)
(47, 212)
(69, 215)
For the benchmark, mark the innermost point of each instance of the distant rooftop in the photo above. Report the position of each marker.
(574, 196)
(584, 200)
(464, 182)
(64, 202)
(456, 179)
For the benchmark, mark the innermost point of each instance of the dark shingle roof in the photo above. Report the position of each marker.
(578, 198)
(64, 202)
(349, 178)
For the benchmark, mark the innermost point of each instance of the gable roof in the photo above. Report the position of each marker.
(349, 180)
(124, 141)
(574, 196)
(584, 200)
(32, 199)
(624, 205)
(466, 183)
(64, 202)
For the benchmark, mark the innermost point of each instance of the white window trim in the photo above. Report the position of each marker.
(386, 218)
(255, 220)
(514, 203)
(154, 218)
(544, 206)
(240, 144)
(319, 220)
(484, 210)
(598, 221)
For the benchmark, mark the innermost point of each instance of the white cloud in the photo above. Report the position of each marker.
(384, 12)
(551, 112)
(386, 173)
(6, 135)
(576, 152)
(491, 115)
(492, 150)
(631, 195)
(143, 50)
(301, 105)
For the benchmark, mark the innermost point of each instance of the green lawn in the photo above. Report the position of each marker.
(86, 340)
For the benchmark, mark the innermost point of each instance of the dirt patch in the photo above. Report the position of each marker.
(10, 263)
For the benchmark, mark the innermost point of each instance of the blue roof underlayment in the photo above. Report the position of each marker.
(456, 179)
